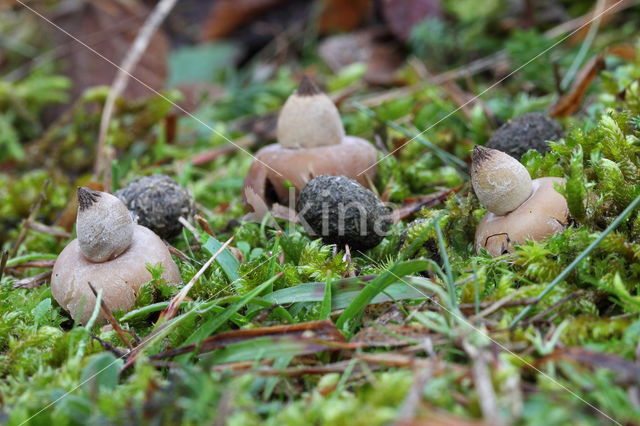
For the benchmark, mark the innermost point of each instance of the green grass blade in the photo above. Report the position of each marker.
(447, 266)
(209, 327)
(346, 321)
(325, 308)
(226, 260)
(445, 156)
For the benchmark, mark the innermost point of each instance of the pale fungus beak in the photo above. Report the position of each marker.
(311, 143)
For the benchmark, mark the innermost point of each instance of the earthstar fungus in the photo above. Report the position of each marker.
(311, 142)
(519, 208)
(111, 252)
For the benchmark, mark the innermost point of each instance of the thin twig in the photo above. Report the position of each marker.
(34, 281)
(172, 308)
(121, 80)
(3, 262)
(500, 303)
(49, 230)
(483, 384)
(184, 222)
(553, 307)
(414, 396)
(112, 320)
(109, 347)
(32, 215)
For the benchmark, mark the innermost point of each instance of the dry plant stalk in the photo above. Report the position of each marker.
(132, 58)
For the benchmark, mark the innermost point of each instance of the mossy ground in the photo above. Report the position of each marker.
(573, 359)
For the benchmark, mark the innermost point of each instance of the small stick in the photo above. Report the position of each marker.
(108, 346)
(112, 320)
(412, 400)
(172, 308)
(176, 252)
(34, 281)
(3, 262)
(484, 387)
(553, 307)
(139, 46)
(190, 227)
(49, 230)
(32, 215)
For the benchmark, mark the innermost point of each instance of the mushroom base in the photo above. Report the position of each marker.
(119, 278)
(299, 166)
(544, 213)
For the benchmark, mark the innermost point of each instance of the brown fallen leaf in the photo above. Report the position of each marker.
(606, 10)
(371, 46)
(229, 16)
(627, 371)
(86, 69)
(569, 102)
(402, 15)
(226, 16)
(343, 15)
(414, 205)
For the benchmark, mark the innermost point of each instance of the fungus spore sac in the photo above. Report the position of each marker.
(157, 201)
(342, 211)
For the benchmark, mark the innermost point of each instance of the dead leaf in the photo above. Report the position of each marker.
(610, 8)
(628, 372)
(227, 16)
(105, 18)
(371, 46)
(414, 205)
(319, 335)
(343, 15)
(568, 103)
(402, 15)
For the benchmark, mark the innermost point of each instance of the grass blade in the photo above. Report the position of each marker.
(447, 265)
(325, 309)
(209, 327)
(346, 321)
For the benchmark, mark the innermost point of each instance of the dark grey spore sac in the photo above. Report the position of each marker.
(342, 211)
(157, 202)
(529, 131)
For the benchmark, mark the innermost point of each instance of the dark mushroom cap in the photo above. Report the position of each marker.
(157, 201)
(529, 131)
(342, 211)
